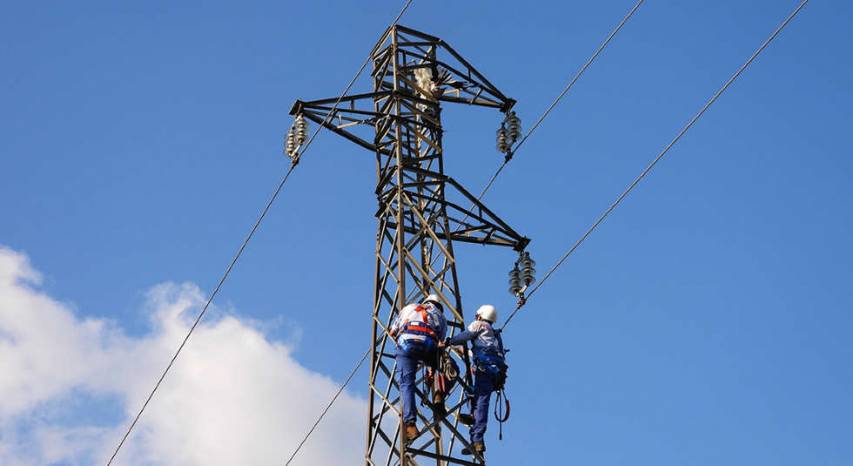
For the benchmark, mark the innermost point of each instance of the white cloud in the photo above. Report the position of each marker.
(233, 397)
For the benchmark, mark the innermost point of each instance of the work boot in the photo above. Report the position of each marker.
(411, 431)
(466, 419)
(478, 447)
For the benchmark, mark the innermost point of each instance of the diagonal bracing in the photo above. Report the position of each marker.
(420, 217)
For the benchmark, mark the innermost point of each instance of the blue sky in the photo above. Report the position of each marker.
(707, 322)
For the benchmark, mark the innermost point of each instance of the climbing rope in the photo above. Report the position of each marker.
(502, 409)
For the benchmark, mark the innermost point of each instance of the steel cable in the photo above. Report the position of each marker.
(654, 161)
(553, 104)
(248, 238)
(328, 406)
(203, 310)
(560, 96)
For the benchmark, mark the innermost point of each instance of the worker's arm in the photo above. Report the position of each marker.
(463, 337)
(395, 327)
(443, 330)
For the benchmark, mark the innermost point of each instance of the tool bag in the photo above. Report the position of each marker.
(442, 380)
(494, 363)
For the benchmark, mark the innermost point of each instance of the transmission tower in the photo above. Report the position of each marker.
(421, 214)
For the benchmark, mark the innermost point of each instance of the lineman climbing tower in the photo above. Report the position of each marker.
(422, 213)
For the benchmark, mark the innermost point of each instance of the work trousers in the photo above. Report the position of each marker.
(407, 369)
(484, 385)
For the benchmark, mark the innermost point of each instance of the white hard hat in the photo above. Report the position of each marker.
(488, 312)
(433, 298)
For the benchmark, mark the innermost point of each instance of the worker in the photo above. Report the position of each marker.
(489, 370)
(417, 330)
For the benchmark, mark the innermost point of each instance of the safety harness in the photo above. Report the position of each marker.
(496, 365)
(421, 327)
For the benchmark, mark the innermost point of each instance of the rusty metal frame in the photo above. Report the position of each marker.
(420, 215)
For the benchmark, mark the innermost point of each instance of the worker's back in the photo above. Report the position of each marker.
(421, 323)
(487, 341)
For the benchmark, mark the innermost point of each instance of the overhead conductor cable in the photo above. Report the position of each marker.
(509, 131)
(263, 214)
(657, 159)
(511, 151)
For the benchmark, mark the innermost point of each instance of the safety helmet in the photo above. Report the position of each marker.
(488, 312)
(433, 298)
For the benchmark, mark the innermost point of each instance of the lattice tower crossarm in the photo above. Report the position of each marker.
(421, 214)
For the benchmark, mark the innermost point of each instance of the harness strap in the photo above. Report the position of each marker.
(422, 327)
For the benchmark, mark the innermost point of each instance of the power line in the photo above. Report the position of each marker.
(559, 97)
(364, 357)
(328, 406)
(204, 309)
(245, 243)
(565, 90)
(654, 161)
(349, 86)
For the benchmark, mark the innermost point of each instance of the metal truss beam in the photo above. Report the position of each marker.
(421, 215)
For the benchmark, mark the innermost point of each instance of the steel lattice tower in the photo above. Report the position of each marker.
(421, 214)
